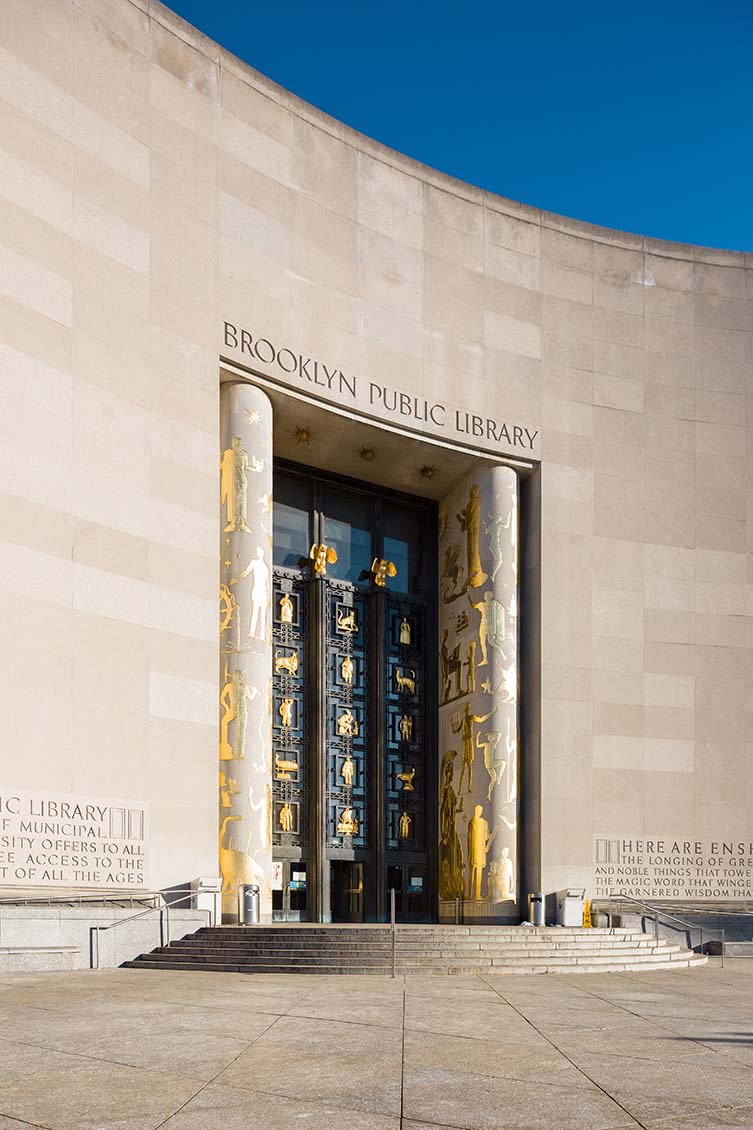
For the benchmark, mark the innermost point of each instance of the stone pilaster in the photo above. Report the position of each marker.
(245, 754)
(478, 694)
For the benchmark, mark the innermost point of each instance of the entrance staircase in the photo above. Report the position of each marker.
(418, 950)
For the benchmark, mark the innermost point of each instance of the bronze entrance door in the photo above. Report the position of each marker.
(354, 690)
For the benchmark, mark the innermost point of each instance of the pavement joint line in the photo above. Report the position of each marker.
(24, 1122)
(402, 1060)
(575, 1065)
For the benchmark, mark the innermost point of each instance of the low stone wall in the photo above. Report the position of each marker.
(34, 938)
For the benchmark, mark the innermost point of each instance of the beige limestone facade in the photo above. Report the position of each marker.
(155, 190)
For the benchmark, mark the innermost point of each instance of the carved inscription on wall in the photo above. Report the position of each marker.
(668, 867)
(57, 840)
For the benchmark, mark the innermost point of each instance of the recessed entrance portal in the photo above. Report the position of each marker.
(354, 698)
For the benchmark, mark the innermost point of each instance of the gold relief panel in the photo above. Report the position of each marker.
(347, 670)
(406, 779)
(381, 569)
(286, 769)
(235, 697)
(405, 680)
(347, 824)
(347, 771)
(346, 620)
(286, 662)
(321, 556)
(347, 724)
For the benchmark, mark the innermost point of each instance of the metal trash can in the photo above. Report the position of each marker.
(250, 913)
(570, 904)
(536, 908)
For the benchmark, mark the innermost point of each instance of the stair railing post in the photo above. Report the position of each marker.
(656, 927)
(167, 918)
(392, 926)
(457, 910)
(722, 948)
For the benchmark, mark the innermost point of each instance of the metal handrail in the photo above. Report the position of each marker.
(657, 911)
(164, 922)
(80, 900)
(392, 926)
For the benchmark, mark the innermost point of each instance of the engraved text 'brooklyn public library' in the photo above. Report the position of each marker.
(382, 400)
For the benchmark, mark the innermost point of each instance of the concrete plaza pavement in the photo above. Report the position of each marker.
(136, 1050)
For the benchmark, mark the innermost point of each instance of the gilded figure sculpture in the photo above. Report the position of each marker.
(321, 556)
(480, 839)
(405, 632)
(500, 878)
(470, 663)
(495, 768)
(234, 467)
(491, 632)
(347, 770)
(285, 710)
(450, 851)
(285, 817)
(470, 523)
(284, 769)
(381, 569)
(234, 699)
(405, 726)
(464, 726)
(258, 570)
(405, 823)
(347, 669)
(347, 724)
(286, 609)
(451, 668)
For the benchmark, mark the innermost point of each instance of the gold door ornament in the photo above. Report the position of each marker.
(450, 850)
(286, 609)
(284, 769)
(405, 823)
(346, 621)
(405, 632)
(405, 726)
(405, 680)
(286, 663)
(347, 724)
(321, 556)
(347, 770)
(347, 825)
(407, 779)
(381, 569)
(347, 669)
(285, 818)
(285, 710)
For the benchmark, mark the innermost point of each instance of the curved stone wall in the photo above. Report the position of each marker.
(156, 189)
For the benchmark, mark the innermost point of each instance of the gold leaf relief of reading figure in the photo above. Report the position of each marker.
(346, 671)
(347, 724)
(347, 825)
(470, 522)
(286, 609)
(347, 770)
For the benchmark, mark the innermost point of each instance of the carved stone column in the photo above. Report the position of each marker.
(478, 694)
(245, 755)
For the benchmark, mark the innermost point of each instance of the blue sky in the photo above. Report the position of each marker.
(635, 116)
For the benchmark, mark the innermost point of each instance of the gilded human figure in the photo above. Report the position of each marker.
(470, 522)
(286, 609)
(450, 850)
(470, 663)
(451, 668)
(347, 770)
(285, 818)
(285, 710)
(464, 726)
(347, 724)
(234, 468)
(480, 839)
(494, 767)
(347, 669)
(405, 632)
(405, 726)
(405, 823)
(234, 699)
(500, 878)
(258, 570)
(491, 631)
